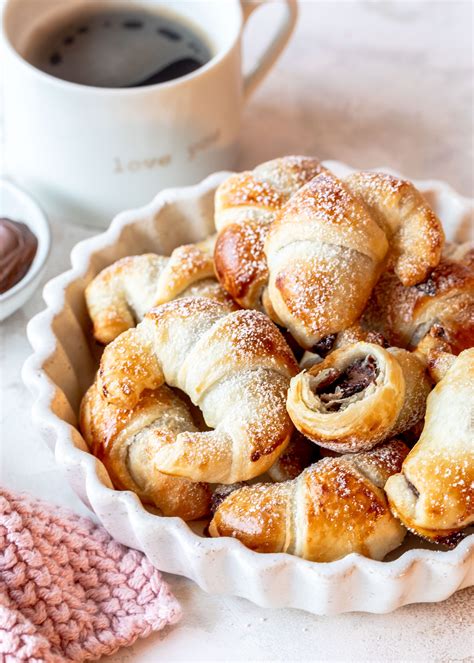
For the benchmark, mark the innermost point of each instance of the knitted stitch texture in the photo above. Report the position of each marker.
(68, 592)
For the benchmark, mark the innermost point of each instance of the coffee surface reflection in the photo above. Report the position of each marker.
(118, 48)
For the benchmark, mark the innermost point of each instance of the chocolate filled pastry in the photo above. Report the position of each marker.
(445, 298)
(433, 495)
(120, 295)
(298, 455)
(335, 507)
(126, 440)
(413, 230)
(359, 396)
(245, 205)
(236, 367)
(324, 254)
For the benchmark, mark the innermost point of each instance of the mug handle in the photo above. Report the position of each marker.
(276, 46)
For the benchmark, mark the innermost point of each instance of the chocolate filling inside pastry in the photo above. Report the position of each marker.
(324, 346)
(339, 385)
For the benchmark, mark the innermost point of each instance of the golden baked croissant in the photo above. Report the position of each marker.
(413, 230)
(324, 254)
(235, 367)
(122, 293)
(335, 507)
(245, 204)
(125, 441)
(445, 298)
(434, 493)
(358, 396)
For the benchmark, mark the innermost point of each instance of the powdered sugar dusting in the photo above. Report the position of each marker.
(313, 287)
(325, 197)
(251, 333)
(244, 189)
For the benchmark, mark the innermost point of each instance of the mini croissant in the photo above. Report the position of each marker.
(324, 253)
(433, 495)
(125, 441)
(236, 367)
(335, 507)
(245, 205)
(358, 396)
(120, 295)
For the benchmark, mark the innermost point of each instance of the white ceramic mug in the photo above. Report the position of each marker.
(89, 152)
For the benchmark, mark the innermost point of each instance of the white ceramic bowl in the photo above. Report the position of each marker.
(62, 367)
(17, 205)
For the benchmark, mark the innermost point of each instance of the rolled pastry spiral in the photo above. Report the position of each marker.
(433, 495)
(335, 507)
(445, 298)
(324, 254)
(120, 295)
(245, 205)
(125, 441)
(235, 367)
(359, 396)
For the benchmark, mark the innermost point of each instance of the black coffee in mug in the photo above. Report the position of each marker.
(118, 47)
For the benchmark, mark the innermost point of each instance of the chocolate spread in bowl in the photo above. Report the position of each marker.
(342, 384)
(18, 247)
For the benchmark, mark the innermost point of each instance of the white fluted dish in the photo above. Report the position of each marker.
(62, 367)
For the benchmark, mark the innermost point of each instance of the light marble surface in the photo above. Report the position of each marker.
(369, 83)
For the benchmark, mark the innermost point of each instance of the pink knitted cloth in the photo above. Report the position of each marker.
(68, 592)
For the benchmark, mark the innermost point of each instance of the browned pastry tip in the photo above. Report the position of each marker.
(221, 492)
(240, 262)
